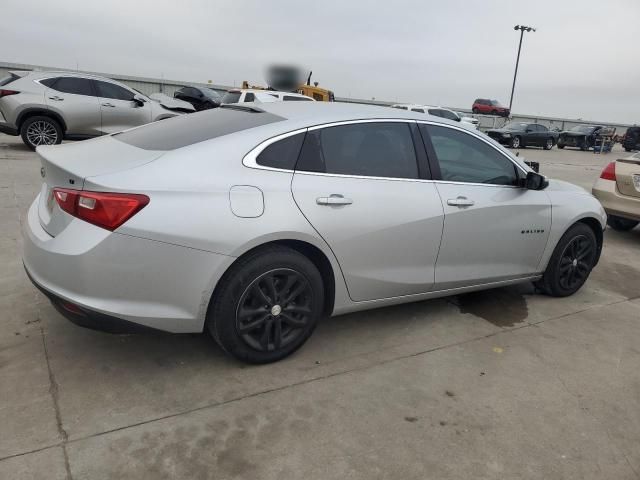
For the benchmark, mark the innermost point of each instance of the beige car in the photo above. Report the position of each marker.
(618, 189)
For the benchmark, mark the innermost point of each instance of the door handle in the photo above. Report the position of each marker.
(108, 105)
(460, 202)
(334, 199)
(56, 98)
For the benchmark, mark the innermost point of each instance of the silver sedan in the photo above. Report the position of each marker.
(253, 223)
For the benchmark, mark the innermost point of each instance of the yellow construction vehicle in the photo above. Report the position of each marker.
(314, 91)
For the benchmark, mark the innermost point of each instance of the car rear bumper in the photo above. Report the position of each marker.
(115, 282)
(614, 202)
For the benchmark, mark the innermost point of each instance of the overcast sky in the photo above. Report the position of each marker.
(583, 62)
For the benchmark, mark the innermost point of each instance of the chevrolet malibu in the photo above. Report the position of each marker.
(254, 223)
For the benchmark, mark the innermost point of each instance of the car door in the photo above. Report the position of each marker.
(493, 230)
(360, 186)
(118, 110)
(75, 100)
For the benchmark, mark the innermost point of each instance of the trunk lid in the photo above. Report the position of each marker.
(628, 175)
(67, 166)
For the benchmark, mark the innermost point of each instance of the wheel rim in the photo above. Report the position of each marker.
(516, 142)
(575, 262)
(549, 144)
(42, 133)
(274, 310)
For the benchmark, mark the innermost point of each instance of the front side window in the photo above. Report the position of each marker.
(231, 97)
(464, 158)
(111, 90)
(383, 149)
(282, 154)
(77, 86)
(542, 128)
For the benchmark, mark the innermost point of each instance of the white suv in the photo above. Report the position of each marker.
(47, 107)
(438, 112)
(263, 96)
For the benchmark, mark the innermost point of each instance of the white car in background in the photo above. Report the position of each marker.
(438, 112)
(263, 96)
(465, 118)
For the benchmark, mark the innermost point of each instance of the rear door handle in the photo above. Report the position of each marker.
(56, 98)
(460, 202)
(334, 199)
(108, 105)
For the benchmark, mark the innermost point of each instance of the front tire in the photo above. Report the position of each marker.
(40, 130)
(267, 305)
(561, 146)
(571, 262)
(621, 224)
(475, 111)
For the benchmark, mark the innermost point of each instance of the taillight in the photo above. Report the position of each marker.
(6, 93)
(609, 172)
(106, 210)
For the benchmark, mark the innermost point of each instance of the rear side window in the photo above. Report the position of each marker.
(111, 90)
(291, 98)
(49, 82)
(249, 97)
(77, 86)
(419, 110)
(186, 130)
(8, 79)
(231, 97)
(382, 149)
(283, 153)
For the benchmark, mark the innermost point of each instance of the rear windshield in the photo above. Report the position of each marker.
(8, 79)
(231, 97)
(193, 128)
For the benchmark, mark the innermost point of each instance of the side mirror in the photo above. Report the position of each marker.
(535, 181)
(139, 100)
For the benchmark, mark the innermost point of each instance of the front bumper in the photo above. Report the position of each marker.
(613, 202)
(110, 280)
(9, 130)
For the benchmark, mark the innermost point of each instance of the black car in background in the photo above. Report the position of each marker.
(631, 139)
(201, 98)
(522, 134)
(580, 136)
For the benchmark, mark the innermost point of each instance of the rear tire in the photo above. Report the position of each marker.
(561, 146)
(571, 262)
(267, 305)
(475, 111)
(40, 130)
(515, 142)
(549, 144)
(621, 224)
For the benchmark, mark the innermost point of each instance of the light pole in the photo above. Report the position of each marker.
(522, 28)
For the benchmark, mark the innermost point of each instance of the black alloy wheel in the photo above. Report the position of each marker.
(274, 310)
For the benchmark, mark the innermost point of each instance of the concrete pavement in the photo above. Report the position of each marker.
(497, 384)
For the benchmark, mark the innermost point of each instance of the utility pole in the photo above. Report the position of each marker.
(522, 28)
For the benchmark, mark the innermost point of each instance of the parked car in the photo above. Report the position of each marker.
(631, 139)
(618, 189)
(523, 134)
(580, 136)
(252, 222)
(465, 118)
(201, 98)
(46, 107)
(263, 96)
(437, 112)
(489, 107)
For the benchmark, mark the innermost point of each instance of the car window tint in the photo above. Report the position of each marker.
(419, 110)
(464, 158)
(282, 154)
(291, 98)
(77, 86)
(382, 149)
(435, 112)
(449, 115)
(111, 90)
(49, 82)
(8, 79)
(231, 97)
(542, 128)
(249, 97)
(189, 129)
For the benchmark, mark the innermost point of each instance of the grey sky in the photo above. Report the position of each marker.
(581, 63)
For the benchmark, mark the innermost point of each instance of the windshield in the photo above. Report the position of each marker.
(582, 129)
(495, 103)
(516, 126)
(231, 97)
